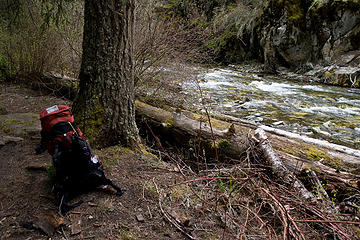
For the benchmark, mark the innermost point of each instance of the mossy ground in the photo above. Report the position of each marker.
(26, 194)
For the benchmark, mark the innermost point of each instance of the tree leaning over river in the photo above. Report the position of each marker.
(104, 106)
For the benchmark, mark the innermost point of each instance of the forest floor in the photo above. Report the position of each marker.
(26, 198)
(164, 199)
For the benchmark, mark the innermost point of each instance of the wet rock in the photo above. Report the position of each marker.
(317, 130)
(350, 58)
(329, 124)
(278, 123)
(294, 33)
(334, 75)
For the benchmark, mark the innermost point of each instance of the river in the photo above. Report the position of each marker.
(318, 111)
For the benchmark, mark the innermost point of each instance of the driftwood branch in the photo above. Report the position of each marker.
(278, 168)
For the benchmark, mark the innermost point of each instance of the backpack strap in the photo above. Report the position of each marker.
(74, 129)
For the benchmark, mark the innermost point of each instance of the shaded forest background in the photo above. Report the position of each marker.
(42, 36)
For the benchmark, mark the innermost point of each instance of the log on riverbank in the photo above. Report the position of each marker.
(230, 136)
(185, 129)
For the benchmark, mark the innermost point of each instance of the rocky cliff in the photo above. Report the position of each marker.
(300, 33)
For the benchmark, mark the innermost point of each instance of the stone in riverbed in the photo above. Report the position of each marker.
(317, 130)
(278, 123)
(334, 75)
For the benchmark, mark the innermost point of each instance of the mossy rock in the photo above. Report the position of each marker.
(20, 124)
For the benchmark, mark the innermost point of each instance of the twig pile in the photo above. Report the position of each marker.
(253, 198)
(242, 202)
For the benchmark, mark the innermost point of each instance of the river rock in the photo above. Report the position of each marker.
(351, 58)
(329, 124)
(317, 130)
(278, 123)
(335, 75)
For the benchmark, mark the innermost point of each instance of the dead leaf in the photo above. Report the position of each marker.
(75, 224)
(49, 222)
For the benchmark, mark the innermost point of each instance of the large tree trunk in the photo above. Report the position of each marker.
(104, 107)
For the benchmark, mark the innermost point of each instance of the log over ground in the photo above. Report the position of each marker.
(229, 139)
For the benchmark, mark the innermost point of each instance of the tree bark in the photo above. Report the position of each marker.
(180, 130)
(104, 106)
(278, 167)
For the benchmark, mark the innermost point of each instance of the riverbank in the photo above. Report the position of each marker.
(164, 200)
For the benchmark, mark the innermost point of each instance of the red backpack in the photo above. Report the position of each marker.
(58, 126)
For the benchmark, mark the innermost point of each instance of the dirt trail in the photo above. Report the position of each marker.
(26, 194)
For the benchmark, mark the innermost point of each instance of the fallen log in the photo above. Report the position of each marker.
(277, 166)
(186, 130)
(321, 143)
(178, 128)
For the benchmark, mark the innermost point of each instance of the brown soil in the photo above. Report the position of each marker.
(26, 194)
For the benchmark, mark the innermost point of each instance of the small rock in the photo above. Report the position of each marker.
(317, 130)
(278, 123)
(140, 218)
(38, 167)
(8, 139)
(329, 124)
